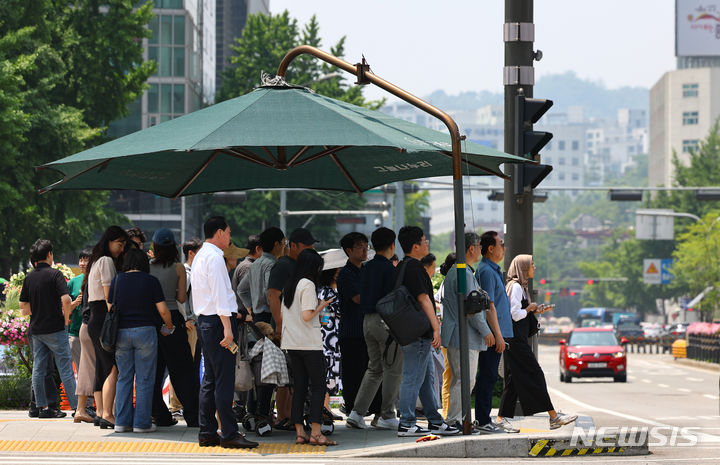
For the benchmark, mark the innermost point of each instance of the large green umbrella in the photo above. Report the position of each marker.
(273, 137)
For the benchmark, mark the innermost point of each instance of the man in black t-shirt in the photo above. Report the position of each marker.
(44, 296)
(418, 374)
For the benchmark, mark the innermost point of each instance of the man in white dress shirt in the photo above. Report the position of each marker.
(214, 304)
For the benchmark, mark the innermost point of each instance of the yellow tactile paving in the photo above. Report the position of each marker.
(161, 447)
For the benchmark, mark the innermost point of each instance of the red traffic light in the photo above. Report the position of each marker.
(548, 293)
(590, 282)
(572, 293)
(543, 281)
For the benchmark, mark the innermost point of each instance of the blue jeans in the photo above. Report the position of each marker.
(136, 358)
(57, 345)
(418, 379)
(488, 361)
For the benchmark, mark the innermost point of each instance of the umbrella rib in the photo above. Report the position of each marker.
(272, 157)
(195, 176)
(321, 154)
(249, 156)
(299, 154)
(346, 173)
(481, 168)
(102, 164)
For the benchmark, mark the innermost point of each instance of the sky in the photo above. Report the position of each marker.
(457, 45)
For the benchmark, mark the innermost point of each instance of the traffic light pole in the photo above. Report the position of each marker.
(518, 73)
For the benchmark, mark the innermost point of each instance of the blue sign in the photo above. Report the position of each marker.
(666, 277)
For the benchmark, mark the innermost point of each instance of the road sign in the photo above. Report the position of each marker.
(654, 224)
(666, 276)
(651, 271)
(657, 270)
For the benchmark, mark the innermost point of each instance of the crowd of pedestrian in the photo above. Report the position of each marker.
(318, 315)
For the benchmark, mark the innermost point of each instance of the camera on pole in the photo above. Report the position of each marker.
(528, 143)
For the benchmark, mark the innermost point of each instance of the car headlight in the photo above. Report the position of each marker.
(618, 354)
(573, 355)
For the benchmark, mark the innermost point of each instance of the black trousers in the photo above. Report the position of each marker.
(308, 368)
(174, 354)
(353, 364)
(218, 383)
(525, 380)
(104, 361)
(488, 361)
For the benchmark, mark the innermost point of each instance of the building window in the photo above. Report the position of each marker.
(691, 145)
(561, 145)
(575, 161)
(548, 160)
(166, 47)
(481, 207)
(690, 90)
(575, 145)
(561, 161)
(561, 176)
(689, 117)
(575, 177)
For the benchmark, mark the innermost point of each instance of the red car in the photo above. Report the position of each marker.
(593, 352)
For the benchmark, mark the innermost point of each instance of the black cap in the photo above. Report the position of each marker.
(303, 236)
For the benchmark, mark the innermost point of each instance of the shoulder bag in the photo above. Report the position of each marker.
(108, 333)
(244, 379)
(402, 313)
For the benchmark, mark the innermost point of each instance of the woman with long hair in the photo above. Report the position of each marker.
(302, 338)
(525, 379)
(174, 350)
(139, 300)
(101, 269)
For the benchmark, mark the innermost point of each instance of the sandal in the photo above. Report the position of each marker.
(284, 425)
(320, 440)
(302, 439)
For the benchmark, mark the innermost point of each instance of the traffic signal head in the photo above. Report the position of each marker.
(572, 293)
(543, 281)
(528, 111)
(590, 282)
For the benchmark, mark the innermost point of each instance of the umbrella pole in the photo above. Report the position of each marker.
(364, 76)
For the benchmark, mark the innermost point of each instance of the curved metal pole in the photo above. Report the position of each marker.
(364, 76)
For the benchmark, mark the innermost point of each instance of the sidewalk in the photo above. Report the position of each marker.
(18, 433)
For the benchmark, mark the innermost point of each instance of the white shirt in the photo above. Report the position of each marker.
(516, 295)
(298, 334)
(211, 290)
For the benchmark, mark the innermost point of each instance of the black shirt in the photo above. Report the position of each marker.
(281, 273)
(416, 278)
(351, 317)
(137, 294)
(43, 288)
(376, 281)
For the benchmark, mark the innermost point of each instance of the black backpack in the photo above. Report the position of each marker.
(402, 313)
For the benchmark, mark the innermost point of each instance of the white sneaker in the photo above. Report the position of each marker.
(505, 425)
(561, 419)
(355, 420)
(392, 423)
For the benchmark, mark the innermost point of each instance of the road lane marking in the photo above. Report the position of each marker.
(711, 396)
(684, 390)
(632, 377)
(705, 438)
(663, 385)
(697, 380)
(646, 381)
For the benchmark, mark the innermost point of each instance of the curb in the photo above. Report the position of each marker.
(504, 446)
(698, 364)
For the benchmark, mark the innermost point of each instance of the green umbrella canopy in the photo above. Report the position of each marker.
(273, 137)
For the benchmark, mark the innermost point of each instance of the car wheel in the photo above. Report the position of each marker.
(568, 378)
(620, 378)
(562, 376)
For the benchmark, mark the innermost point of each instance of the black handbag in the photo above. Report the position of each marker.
(531, 321)
(402, 313)
(108, 333)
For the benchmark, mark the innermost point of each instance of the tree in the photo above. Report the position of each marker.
(697, 262)
(54, 102)
(265, 41)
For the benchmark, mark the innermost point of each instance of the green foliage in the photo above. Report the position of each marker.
(697, 264)
(441, 245)
(66, 70)
(265, 41)
(417, 206)
(14, 392)
(703, 169)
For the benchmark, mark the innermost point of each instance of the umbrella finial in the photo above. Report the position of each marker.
(266, 80)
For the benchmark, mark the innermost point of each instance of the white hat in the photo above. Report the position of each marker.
(334, 258)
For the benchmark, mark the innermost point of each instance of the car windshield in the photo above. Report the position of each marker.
(593, 338)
